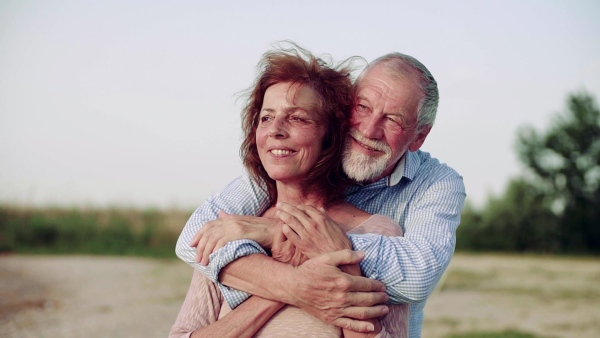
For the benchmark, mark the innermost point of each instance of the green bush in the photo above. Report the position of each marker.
(110, 231)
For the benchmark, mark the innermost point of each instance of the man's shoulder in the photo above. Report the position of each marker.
(422, 167)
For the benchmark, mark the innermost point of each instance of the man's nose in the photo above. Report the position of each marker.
(370, 126)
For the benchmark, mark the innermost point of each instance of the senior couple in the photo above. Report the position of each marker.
(342, 226)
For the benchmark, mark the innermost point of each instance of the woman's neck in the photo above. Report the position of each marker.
(297, 194)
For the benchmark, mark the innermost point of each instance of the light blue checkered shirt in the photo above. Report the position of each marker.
(424, 196)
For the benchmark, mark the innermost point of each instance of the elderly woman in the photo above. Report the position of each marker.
(295, 128)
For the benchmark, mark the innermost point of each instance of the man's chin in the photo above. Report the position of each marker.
(362, 172)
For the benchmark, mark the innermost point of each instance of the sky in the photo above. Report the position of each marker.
(136, 103)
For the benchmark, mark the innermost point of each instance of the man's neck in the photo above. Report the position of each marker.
(394, 173)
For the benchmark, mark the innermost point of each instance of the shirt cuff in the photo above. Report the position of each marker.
(227, 254)
(369, 244)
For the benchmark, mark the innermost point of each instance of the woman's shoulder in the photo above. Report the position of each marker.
(347, 216)
(378, 224)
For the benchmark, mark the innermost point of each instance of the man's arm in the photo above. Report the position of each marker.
(411, 266)
(242, 196)
(331, 293)
(317, 286)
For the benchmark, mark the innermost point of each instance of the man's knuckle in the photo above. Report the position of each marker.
(342, 283)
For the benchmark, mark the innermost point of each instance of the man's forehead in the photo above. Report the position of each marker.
(376, 89)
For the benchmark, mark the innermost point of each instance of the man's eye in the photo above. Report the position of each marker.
(394, 120)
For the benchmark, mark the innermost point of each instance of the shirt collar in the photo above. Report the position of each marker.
(396, 175)
(406, 167)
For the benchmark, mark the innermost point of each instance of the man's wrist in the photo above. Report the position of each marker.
(260, 275)
(283, 283)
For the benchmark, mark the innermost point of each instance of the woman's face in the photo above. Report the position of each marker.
(289, 133)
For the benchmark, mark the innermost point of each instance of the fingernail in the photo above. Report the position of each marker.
(386, 310)
(371, 327)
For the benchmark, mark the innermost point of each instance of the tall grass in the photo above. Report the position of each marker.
(110, 231)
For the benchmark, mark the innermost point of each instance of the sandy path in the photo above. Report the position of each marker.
(81, 296)
(77, 296)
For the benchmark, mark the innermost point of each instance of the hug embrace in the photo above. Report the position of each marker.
(341, 227)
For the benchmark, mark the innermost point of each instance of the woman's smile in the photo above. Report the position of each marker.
(289, 135)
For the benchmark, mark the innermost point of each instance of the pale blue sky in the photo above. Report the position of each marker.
(133, 102)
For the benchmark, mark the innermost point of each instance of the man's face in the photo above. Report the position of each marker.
(383, 125)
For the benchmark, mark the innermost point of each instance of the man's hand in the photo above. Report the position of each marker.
(311, 230)
(319, 288)
(215, 234)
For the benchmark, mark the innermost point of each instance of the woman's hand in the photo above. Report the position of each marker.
(311, 230)
(215, 234)
(284, 251)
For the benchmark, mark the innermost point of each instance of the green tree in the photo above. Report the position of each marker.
(565, 163)
(520, 220)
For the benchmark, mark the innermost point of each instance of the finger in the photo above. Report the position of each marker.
(342, 257)
(222, 214)
(200, 250)
(367, 287)
(292, 221)
(208, 249)
(278, 236)
(316, 214)
(195, 240)
(354, 325)
(290, 233)
(368, 295)
(297, 213)
(365, 312)
(220, 244)
(200, 233)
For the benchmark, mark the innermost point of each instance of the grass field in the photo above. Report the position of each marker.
(481, 295)
(516, 295)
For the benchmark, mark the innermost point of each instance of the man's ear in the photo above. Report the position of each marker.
(421, 136)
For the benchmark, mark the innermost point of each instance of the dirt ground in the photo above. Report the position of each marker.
(77, 296)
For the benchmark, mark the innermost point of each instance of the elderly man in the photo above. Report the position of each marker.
(395, 107)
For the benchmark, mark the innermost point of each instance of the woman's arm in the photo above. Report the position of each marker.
(244, 321)
(354, 269)
(199, 314)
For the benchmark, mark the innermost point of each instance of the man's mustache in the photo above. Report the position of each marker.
(377, 145)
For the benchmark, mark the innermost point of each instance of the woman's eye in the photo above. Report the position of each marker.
(265, 119)
(297, 119)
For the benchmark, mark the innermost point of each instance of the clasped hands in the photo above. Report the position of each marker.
(307, 238)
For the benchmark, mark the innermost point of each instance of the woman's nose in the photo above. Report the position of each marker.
(278, 128)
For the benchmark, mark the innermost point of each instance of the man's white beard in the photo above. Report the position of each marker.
(361, 167)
